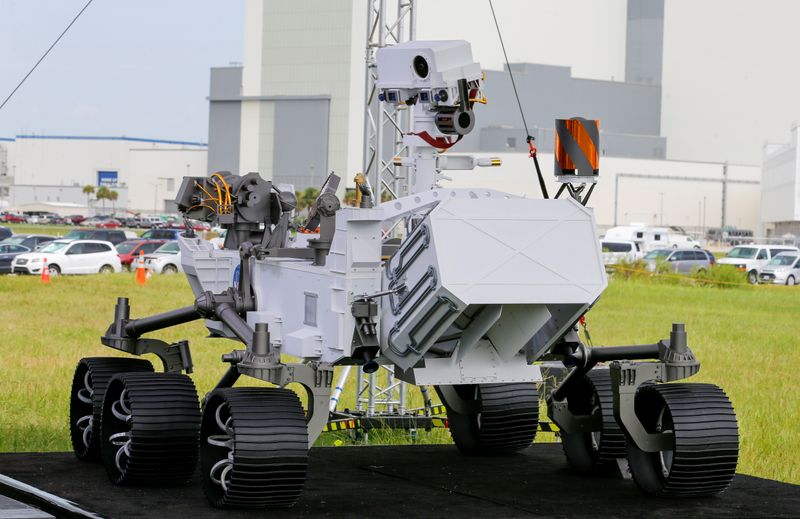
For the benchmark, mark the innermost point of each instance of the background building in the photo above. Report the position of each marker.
(54, 169)
(780, 195)
(294, 111)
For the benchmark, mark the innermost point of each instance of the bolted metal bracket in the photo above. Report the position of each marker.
(176, 357)
(316, 378)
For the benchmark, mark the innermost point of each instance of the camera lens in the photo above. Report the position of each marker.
(421, 66)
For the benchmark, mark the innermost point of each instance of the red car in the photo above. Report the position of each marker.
(12, 218)
(128, 251)
(196, 225)
(109, 224)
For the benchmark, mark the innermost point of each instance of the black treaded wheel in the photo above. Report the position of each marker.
(86, 400)
(597, 450)
(706, 447)
(506, 423)
(150, 429)
(253, 448)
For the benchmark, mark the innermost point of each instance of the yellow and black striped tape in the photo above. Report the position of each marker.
(353, 423)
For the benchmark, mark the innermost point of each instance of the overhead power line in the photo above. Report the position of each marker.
(46, 53)
(528, 135)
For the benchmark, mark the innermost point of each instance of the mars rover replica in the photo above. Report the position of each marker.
(473, 292)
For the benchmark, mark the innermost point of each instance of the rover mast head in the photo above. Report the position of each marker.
(440, 83)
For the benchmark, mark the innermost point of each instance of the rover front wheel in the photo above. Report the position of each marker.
(705, 448)
(86, 400)
(150, 429)
(506, 422)
(253, 448)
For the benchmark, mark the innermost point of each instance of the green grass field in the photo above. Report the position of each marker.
(746, 338)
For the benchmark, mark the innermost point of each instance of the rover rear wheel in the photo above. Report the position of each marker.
(253, 448)
(150, 429)
(86, 400)
(592, 451)
(506, 422)
(705, 450)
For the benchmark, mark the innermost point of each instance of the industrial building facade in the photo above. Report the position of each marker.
(780, 193)
(295, 110)
(53, 170)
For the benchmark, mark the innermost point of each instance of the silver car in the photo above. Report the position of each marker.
(783, 269)
(684, 261)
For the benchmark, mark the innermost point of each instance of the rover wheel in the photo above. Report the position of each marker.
(706, 445)
(507, 421)
(169, 269)
(86, 400)
(790, 281)
(150, 429)
(590, 451)
(106, 269)
(253, 448)
(53, 270)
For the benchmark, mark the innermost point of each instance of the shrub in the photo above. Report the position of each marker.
(723, 276)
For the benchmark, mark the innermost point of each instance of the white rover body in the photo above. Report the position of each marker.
(464, 290)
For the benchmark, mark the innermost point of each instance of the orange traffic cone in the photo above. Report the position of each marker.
(141, 274)
(45, 272)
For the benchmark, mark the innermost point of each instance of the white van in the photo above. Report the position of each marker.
(614, 251)
(752, 258)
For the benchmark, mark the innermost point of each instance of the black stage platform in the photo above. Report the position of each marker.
(413, 481)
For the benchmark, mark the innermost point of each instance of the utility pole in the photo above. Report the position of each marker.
(724, 192)
(704, 216)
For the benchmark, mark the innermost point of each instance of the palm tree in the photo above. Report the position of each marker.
(113, 196)
(88, 190)
(103, 193)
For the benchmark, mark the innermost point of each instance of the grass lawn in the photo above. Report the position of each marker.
(746, 339)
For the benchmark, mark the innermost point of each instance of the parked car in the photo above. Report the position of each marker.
(76, 219)
(12, 218)
(101, 220)
(111, 223)
(162, 234)
(114, 236)
(617, 251)
(128, 251)
(148, 222)
(752, 258)
(5, 232)
(31, 241)
(165, 259)
(783, 269)
(71, 257)
(9, 251)
(683, 261)
(129, 222)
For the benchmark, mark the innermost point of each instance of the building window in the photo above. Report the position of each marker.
(170, 184)
(511, 142)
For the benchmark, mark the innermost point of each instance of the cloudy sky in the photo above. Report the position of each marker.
(140, 68)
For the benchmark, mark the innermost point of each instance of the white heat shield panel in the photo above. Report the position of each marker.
(481, 269)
